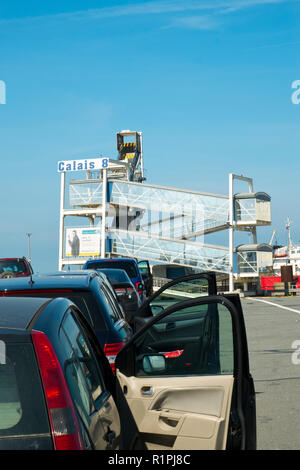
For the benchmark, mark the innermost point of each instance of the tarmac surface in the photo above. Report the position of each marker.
(273, 325)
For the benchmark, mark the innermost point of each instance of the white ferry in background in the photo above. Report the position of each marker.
(282, 256)
(289, 254)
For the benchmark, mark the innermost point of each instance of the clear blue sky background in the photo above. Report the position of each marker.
(208, 83)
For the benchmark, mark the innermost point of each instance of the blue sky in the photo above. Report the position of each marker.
(207, 82)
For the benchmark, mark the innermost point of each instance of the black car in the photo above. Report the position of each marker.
(125, 291)
(91, 292)
(55, 381)
(182, 382)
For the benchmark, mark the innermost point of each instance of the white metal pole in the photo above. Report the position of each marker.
(61, 220)
(231, 233)
(142, 157)
(29, 248)
(103, 221)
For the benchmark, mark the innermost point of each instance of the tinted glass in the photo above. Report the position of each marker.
(143, 267)
(196, 340)
(185, 290)
(127, 266)
(110, 304)
(15, 266)
(175, 272)
(80, 368)
(85, 301)
(118, 275)
(22, 407)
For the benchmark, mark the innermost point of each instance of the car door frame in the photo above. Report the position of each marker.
(241, 433)
(144, 310)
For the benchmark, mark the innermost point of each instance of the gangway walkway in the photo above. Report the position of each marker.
(157, 223)
(166, 250)
(202, 212)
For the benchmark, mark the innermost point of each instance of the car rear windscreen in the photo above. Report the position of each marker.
(22, 407)
(85, 301)
(15, 266)
(127, 266)
(118, 275)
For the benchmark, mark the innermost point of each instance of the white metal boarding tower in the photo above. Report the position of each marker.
(124, 216)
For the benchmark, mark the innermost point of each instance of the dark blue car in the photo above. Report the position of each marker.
(129, 265)
(91, 292)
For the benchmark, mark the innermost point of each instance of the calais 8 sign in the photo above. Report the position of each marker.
(83, 165)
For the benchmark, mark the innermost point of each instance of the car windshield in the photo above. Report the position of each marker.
(112, 264)
(116, 275)
(14, 265)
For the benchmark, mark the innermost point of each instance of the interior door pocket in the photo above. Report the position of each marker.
(168, 419)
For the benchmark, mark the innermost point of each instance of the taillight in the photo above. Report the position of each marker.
(111, 351)
(139, 287)
(62, 416)
(120, 291)
(173, 354)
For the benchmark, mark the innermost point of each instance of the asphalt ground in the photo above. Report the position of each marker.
(273, 325)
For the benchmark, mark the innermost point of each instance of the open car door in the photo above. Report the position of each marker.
(184, 379)
(147, 276)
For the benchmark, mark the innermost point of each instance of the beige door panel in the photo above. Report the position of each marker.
(110, 419)
(195, 410)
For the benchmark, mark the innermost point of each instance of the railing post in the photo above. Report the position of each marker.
(61, 221)
(231, 233)
(103, 219)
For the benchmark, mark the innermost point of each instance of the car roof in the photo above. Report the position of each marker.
(17, 312)
(112, 259)
(82, 272)
(112, 270)
(49, 281)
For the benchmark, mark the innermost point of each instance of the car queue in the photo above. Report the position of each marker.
(88, 368)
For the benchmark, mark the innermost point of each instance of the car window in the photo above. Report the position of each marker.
(85, 301)
(182, 290)
(111, 292)
(195, 340)
(85, 304)
(80, 367)
(112, 310)
(115, 312)
(143, 267)
(16, 266)
(127, 266)
(22, 408)
(116, 275)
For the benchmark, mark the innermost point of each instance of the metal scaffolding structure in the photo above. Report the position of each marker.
(126, 217)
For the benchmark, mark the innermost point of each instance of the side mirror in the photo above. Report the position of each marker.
(156, 309)
(154, 363)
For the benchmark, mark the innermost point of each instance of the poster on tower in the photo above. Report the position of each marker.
(82, 242)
